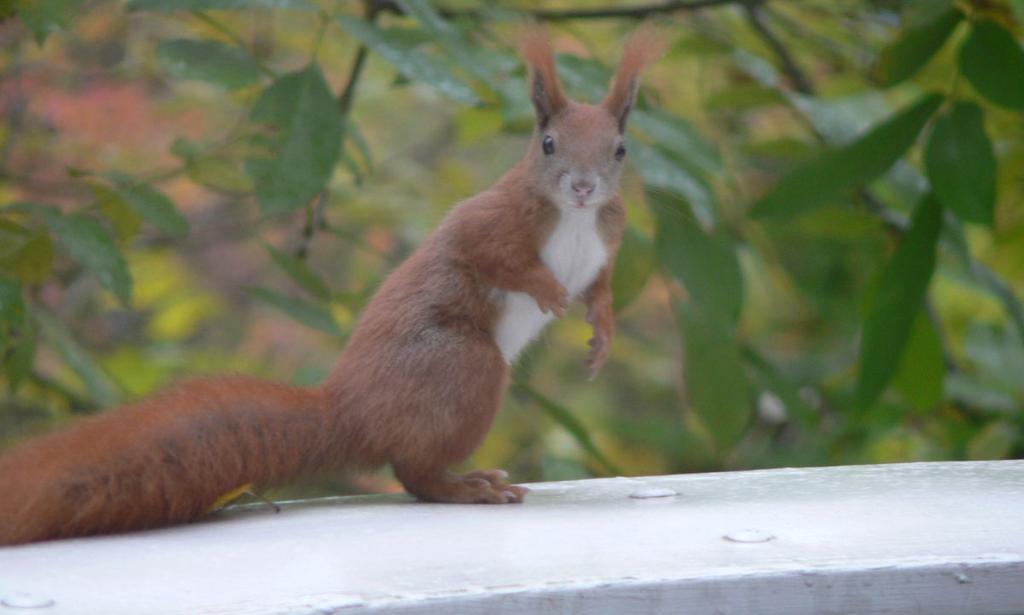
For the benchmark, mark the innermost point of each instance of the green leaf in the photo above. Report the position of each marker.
(633, 267)
(101, 388)
(565, 418)
(154, 207)
(992, 60)
(299, 272)
(355, 137)
(12, 309)
(680, 137)
(88, 242)
(661, 172)
(980, 394)
(994, 441)
(715, 378)
(743, 97)
(843, 119)
(897, 301)
(309, 314)
(209, 61)
(349, 162)
(700, 44)
(997, 355)
(220, 173)
(584, 78)
(706, 265)
(954, 240)
(44, 17)
(19, 362)
(25, 254)
(478, 61)
(305, 144)
(922, 369)
(169, 6)
(824, 178)
(961, 164)
(909, 53)
(1003, 291)
(122, 217)
(1018, 9)
(17, 339)
(12, 306)
(221, 170)
(413, 63)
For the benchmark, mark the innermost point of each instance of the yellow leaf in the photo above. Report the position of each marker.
(228, 497)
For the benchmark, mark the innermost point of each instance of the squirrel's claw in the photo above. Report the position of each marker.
(557, 305)
(597, 356)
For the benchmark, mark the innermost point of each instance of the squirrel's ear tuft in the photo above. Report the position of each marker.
(644, 46)
(545, 89)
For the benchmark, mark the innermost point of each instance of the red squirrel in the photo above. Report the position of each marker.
(423, 374)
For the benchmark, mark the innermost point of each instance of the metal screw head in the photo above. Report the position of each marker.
(748, 536)
(25, 600)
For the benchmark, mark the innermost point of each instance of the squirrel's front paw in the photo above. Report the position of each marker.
(498, 482)
(553, 298)
(479, 487)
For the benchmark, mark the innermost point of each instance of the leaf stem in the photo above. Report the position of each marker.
(319, 36)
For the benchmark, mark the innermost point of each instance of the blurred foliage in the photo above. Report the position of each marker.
(823, 265)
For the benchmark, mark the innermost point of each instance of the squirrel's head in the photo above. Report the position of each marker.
(578, 149)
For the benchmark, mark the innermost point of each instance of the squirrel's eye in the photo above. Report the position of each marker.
(620, 152)
(549, 145)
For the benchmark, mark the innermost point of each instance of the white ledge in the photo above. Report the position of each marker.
(925, 538)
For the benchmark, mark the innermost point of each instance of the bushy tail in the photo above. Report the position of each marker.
(161, 461)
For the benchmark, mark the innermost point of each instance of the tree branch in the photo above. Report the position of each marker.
(607, 12)
(633, 12)
(755, 17)
(349, 91)
(315, 211)
(897, 227)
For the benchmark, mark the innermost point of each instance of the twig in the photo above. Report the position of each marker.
(797, 77)
(349, 91)
(635, 12)
(314, 219)
(801, 83)
(235, 38)
(236, 134)
(315, 212)
(606, 12)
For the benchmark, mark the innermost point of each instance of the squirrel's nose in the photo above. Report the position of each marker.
(583, 188)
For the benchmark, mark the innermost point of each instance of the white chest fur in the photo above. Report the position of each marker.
(575, 253)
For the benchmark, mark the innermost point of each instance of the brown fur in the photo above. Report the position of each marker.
(418, 385)
(546, 90)
(644, 46)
